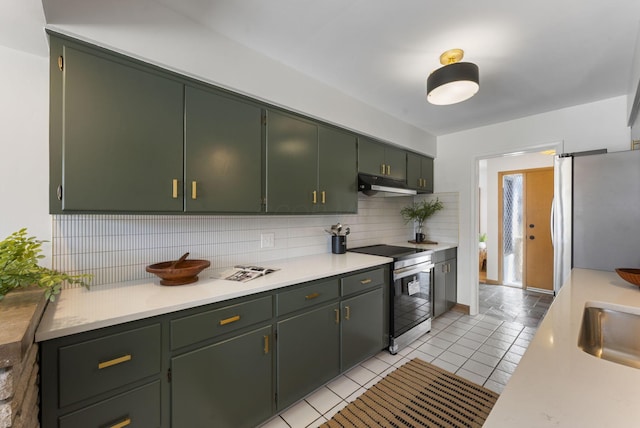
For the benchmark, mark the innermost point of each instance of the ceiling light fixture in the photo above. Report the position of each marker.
(455, 82)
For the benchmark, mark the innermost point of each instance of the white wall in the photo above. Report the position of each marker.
(494, 166)
(584, 127)
(24, 145)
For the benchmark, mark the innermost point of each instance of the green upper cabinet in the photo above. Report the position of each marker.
(381, 159)
(420, 173)
(337, 180)
(292, 164)
(118, 137)
(310, 167)
(223, 153)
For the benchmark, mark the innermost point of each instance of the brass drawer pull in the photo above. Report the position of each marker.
(324, 197)
(311, 296)
(315, 197)
(230, 320)
(388, 169)
(122, 424)
(119, 360)
(347, 315)
(266, 344)
(194, 192)
(382, 169)
(337, 311)
(365, 281)
(174, 192)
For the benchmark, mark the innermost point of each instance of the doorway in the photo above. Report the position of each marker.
(526, 251)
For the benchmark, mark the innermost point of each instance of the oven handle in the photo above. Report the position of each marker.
(411, 270)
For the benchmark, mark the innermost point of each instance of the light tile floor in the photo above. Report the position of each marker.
(484, 349)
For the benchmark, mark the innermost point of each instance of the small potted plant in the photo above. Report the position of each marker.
(419, 212)
(482, 243)
(19, 255)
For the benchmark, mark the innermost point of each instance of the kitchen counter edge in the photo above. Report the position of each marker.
(79, 310)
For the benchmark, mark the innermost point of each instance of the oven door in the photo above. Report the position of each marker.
(411, 306)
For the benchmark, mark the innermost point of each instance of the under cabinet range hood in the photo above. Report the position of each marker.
(371, 185)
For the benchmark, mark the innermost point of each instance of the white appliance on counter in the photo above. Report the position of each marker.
(596, 212)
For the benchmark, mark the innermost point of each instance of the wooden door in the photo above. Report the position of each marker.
(538, 251)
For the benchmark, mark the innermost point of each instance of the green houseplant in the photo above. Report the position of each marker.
(420, 212)
(19, 255)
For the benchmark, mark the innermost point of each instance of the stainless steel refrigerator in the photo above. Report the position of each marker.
(596, 212)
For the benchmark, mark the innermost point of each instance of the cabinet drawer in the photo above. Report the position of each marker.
(98, 365)
(137, 408)
(307, 295)
(362, 281)
(205, 325)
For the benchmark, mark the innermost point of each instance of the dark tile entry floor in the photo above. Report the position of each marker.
(514, 304)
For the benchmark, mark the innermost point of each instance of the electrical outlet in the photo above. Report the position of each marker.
(267, 240)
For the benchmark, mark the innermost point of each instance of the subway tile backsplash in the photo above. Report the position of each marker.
(117, 248)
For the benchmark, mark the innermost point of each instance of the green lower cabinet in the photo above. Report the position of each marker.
(227, 384)
(308, 352)
(137, 408)
(362, 324)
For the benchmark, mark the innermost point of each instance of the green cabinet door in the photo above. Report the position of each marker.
(337, 181)
(414, 171)
(223, 149)
(308, 352)
(396, 161)
(420, 173)
(451, 292)
(362, 327)
(228, 384)
(371, 157)
(439, 289)
(292, 160)
(122, 147)
(381, 159)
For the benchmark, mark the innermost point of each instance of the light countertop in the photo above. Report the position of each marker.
(556, 383)
(440, 246)
(78, 309)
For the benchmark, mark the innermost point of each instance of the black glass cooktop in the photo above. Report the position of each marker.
(392, 251)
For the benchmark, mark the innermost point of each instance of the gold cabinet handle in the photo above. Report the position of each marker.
(365, 281)
(122, 424)
(230, 320)
(315, 197)
(311, 296)
(337, 311)
(115, 361)
(194, 190)
(383, 169)
(266, 344)
(347, 314)
(388, 169)
(60, 63)
(324, 196)
(174, 192)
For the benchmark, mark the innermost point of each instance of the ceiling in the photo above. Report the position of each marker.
(533, 56)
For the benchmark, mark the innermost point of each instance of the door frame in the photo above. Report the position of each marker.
(472, 244)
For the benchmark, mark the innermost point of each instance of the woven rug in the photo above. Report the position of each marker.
(418, 394)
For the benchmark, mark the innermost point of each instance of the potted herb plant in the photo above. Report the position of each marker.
(19, 255)
(419, 212)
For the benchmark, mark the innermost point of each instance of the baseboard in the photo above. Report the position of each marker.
(491, 282)
(540, 290)
(461, 308)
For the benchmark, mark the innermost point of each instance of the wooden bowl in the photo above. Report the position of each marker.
(184, 272)
(630, 275)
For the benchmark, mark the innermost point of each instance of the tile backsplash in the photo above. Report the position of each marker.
(117, 248)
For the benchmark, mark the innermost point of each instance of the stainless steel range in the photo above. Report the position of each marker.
(411, 304)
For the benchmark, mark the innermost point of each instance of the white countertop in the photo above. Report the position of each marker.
(440, 246)
(77, 309)
(556, 383)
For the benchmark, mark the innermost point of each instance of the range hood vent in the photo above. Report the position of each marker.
(370, 185)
